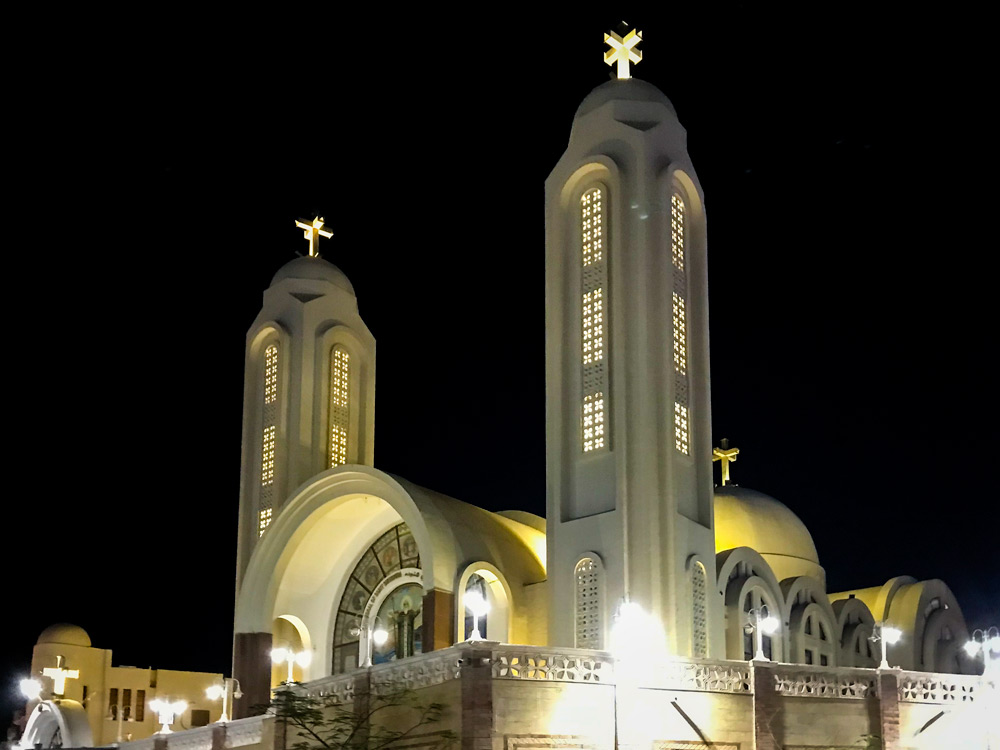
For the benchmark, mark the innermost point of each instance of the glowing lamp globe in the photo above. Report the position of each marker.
(380, 636)
(303, 658)
(770, 624)
(476, 604)
(994, 644)
(31, 688)
(279, 655)
(891, 635)
(215, 692)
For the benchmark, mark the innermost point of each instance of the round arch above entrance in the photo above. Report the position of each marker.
(301, 564)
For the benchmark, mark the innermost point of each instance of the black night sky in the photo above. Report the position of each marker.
(848, 169)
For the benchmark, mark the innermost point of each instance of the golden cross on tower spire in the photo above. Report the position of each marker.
(59, 676)
(313, 230)
(726, 455)
(622, 51)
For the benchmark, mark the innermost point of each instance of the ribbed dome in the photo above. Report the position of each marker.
(72, 635)
(747, 518)
(315, 269)
(629, 89)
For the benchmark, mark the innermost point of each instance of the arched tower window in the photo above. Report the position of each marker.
(268, 438)
(340, 373)
(678, 255)
(699, 611)
(589, 624)
(594, 329)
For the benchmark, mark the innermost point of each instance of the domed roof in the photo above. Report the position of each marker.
(313, 268)
(72, 635)
(747, 518)
(629, 89)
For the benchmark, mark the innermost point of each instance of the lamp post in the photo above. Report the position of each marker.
(987, 644)
(375, 635)
(166, 713)
(886, 634)
(228, 690)
(291, 658)
(476, 604)
(760, 622)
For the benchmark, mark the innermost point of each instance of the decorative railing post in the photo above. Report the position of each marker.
(219, 737)
(888, 707)
(477, 695)
(766, 706)
(362, 705)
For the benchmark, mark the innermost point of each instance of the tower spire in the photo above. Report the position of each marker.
(312, 231)
(622, 51)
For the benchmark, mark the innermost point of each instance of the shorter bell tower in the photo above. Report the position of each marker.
(309, 388)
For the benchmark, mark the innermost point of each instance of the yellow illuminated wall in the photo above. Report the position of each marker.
(593, 320)
(339, 407)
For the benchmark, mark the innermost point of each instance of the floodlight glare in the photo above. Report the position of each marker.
(31, 688)
(380, 636)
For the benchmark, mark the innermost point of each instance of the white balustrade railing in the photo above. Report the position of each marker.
(248, 731)
(824, 682)
(414, 672)
(925, 687)
(339, 687)
(199, 738)
(561, 665)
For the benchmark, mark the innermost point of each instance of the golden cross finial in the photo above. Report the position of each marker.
(622, 51)
(726, 455)
(59, 676)
(313, 230)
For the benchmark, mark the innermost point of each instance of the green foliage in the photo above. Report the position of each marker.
(372, 723)
(871, 742)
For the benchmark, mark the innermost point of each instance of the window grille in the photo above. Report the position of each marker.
(268, 438)
(699, 611)
(593, 320)
(678, 254)
(588, 603)
(339, 407)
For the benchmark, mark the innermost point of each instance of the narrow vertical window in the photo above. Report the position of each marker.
(340, 372)
(268, 438)
(140, 705)
(113, 703)
(699, 613)
(588, 603)
(127, 704)
(593, 321)
(680, 326)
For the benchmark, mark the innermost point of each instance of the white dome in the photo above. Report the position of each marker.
(315, 269)
(72, 635)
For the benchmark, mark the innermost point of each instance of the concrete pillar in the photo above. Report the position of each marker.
(219, 737)
(888, 706)
(477, 698)
(766, 707)
(252, 667)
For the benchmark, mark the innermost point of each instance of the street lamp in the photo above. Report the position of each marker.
(228, 690)
(167, 712)
(886, 634)
(377, 635)
(476, 603)
(291, 658)
(986, 644)
(31, 688)
(760, 622)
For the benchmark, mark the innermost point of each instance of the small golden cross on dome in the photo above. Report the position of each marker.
(313, 230)
(59, 676)
(726, 455)
(622, 51)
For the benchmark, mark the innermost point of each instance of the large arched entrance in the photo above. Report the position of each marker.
(308, 564)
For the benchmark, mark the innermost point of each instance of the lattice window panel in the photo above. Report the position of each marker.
(593, 320)
(699, 611)
(268, 438)
(588, 604)
(340, 364)
(679, 325)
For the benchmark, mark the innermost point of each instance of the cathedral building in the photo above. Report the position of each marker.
(368, 572)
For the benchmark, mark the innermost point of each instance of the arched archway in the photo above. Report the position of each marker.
(490, 582)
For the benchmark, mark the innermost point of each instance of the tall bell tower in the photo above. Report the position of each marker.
(628, 408)
(309, 388)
